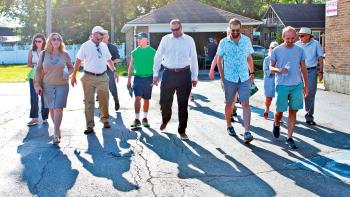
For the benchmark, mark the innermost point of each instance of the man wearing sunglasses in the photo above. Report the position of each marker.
(314, 58)
(177, 52)
(237, 75)
(95, 55)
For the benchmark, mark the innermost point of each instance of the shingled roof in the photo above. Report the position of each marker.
(190, 11)
(301, 15)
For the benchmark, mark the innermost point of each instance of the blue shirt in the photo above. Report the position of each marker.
(266, 67)
(291, 57)
(235, 58)
(312, 50)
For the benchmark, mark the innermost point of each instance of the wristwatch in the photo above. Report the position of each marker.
(252, 73)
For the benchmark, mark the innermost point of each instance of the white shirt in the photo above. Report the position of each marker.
(94, 61)
(176, 53)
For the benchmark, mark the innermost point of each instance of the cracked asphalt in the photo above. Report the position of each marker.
(146, 162)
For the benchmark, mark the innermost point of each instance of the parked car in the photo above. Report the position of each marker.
(258, 56)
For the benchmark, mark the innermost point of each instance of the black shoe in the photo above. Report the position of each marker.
(276, 130)
(89, 131)
(290, 143)
(234, 113)
(163, 126)
(311, 122)
(231, 131)
(116, 106)
(232, 119)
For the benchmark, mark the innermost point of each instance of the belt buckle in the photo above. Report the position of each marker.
(177, 70)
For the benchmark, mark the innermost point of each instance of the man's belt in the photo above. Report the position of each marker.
(94, 74)
(177, 69)
(312, 68)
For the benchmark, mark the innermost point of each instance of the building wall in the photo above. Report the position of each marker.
(337, 62)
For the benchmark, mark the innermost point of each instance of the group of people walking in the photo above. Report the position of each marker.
(287, 70)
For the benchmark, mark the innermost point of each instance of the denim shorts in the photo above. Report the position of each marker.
(243, 89)
(143, 87)
(291, 96)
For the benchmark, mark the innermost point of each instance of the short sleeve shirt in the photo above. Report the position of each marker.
(290, 57)
(235, 58)
(312, 50)
(94, 56)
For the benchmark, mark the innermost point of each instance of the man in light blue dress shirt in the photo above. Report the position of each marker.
(314, 58)
(237, 74)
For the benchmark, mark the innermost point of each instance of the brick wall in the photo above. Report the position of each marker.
(337, 48)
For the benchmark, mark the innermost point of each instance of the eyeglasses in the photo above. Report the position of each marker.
(235, 30)
(101, 34)
(38, 41)
(177, 29)
(56, 39)
(99, 53)
(301, 36)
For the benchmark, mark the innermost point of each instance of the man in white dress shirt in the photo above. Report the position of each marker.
(177, 53)
(95, 55)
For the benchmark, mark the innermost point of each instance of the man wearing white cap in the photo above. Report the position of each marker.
(95, 55)
(314, 58)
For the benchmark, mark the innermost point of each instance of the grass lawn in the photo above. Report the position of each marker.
(18, 73)
(13, 73)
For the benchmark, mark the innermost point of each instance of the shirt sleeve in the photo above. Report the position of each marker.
(108, 54)
(250, 46)
(158, 57)
(194, 61)
(319, 50)
(220, 52)
(273, 55)
(81, 52)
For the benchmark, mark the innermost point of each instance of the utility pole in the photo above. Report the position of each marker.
(112, 20)
(48, 18)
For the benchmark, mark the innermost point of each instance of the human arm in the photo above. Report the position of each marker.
(305, 78)
(130, 71)
(75, 70)
(251, 67)
(29, 61)
(212, 67)
(158, 61)
(194, 64)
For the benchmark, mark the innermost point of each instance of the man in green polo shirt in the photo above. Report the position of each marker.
(141, 65)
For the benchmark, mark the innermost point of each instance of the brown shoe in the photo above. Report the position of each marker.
(162, 126)
(106, 125)
(183, 136)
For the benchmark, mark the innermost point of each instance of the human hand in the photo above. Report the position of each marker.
(39, 90)
(194, 83)
(73, 81)
(211, 74)
(155, 81)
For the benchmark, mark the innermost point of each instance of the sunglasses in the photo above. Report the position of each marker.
(101, 34)
(177, 29)
(99, 53)
(56, 39)
(235, 30)
(38, 41)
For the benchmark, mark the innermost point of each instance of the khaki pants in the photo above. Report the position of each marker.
(92, 84)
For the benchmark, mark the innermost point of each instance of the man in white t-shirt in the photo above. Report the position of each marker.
(95, 55)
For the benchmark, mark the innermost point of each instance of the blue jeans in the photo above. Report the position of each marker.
(34, 103)
(112, 85)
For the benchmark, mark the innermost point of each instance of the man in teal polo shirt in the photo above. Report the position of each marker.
(314, 66)
(141, 65)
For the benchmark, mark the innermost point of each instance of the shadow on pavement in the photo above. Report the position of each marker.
(233, 180)
(304, 172)
(206, 110)
(46, 170)
(108, 160)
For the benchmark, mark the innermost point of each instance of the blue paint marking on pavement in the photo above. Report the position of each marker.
(336, 164)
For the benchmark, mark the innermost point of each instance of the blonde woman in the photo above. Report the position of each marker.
(38, 44)
(51, 79)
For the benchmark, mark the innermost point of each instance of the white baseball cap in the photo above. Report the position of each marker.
(99, 29)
